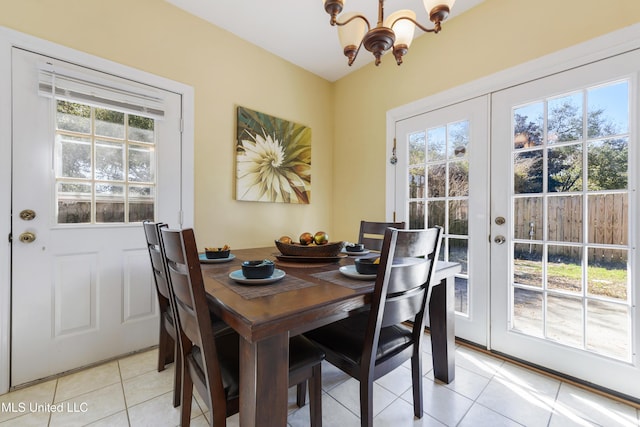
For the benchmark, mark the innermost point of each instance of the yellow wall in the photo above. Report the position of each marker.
(347, 117)
(225, 71)
(496, 35)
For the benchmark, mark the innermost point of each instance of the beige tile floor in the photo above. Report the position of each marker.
(487, 391)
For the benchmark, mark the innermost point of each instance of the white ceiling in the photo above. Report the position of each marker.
(299, 30)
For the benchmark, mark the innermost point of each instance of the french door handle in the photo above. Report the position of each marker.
(499, 240)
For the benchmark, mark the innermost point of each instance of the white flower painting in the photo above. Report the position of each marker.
(273, 159)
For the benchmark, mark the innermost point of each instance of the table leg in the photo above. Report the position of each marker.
(442, 325)
(264, 380)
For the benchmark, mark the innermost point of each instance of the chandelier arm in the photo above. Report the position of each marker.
(435, 29)
(340, 24)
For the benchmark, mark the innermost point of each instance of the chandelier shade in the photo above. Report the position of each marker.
(351, 34)
(401, 23)
(394, 33)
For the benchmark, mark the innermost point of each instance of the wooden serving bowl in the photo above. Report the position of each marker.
(330, 249)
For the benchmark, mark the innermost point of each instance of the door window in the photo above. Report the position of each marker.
(439, 193)
(105, 165)
(570, 204)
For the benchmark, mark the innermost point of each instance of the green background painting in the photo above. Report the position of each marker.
(273, 159)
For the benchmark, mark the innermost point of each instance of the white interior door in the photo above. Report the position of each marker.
(564, 265)
(81, 285)
(442, 179)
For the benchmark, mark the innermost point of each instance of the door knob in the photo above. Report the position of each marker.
(27, 214)
(27, 237)
(499, 240)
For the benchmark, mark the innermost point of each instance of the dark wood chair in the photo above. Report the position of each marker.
(168, 350)
(372, 233)
(212, 364)
(374, 342)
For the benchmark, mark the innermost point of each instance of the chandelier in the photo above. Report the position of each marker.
(396, 31)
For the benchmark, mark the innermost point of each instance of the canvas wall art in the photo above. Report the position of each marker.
(273, 159)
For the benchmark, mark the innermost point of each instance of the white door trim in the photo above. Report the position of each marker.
(10, 38)
(596, 49)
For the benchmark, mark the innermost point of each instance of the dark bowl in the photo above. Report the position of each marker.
(354, 247)
(366, 265)
(260, 269)
(217, 254)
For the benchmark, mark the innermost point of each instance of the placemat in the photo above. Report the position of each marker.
(335, 277)
(288, 283)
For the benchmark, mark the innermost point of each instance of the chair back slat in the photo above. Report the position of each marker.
(403, 307)
(371, 233)
(407, 273)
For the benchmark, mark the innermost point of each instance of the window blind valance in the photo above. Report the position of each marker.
(68, 85)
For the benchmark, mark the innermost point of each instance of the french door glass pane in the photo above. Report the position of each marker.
(608, 330)
(564, 268)
(416, 182)
(564, 216)
(527, 213)
(570, 211)
(607, 274)
(527, 265)
(607, 164)
(437, 179)
(527, 313)
(564, 119)
(528, 171)
(564, 319)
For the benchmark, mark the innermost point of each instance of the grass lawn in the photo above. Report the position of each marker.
(610, 282)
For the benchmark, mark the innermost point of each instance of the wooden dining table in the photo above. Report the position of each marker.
(311, 294)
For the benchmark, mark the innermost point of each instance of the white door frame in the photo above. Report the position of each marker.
(593, 50)
(10, 38)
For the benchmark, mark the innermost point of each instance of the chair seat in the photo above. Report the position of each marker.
(227, 346)
(346, 337)
(302, 354)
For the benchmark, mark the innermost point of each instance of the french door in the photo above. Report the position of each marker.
(552, 210)
(443, 180)
(564, 262)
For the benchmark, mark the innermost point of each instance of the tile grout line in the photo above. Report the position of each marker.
(53, 399)
(124, 395)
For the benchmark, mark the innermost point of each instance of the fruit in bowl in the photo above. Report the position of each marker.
(321, 238)
(306, 239)
(216, 253)
(286, 239)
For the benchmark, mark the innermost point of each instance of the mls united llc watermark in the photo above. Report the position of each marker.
(24, 407)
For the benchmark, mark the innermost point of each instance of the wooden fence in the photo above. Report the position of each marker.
(607, 224)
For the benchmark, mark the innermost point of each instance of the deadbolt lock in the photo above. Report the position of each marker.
(27, 214)
(500, 220)
(27, 237)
